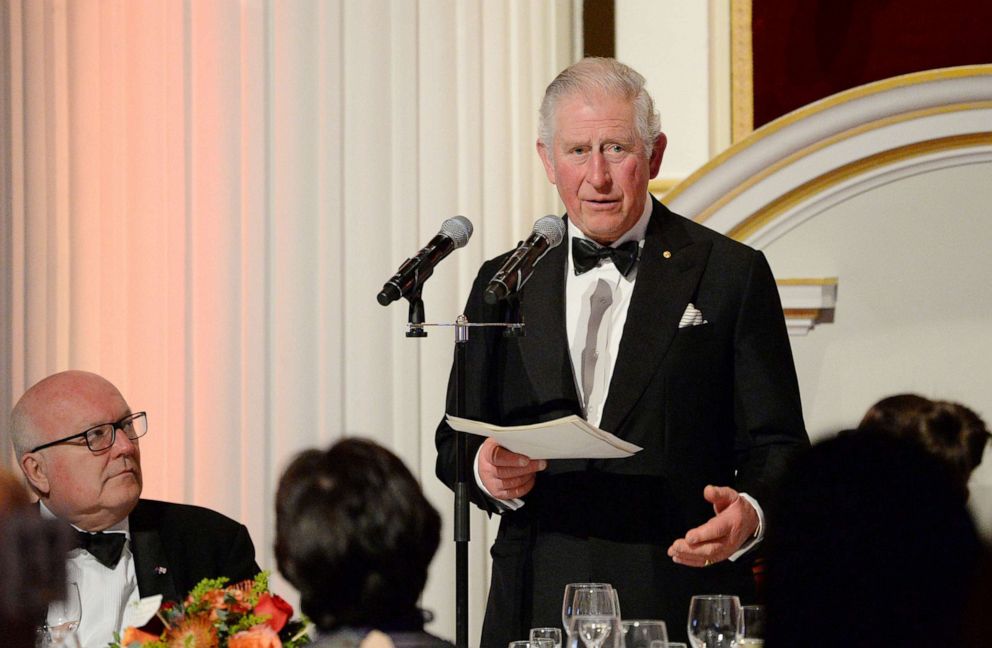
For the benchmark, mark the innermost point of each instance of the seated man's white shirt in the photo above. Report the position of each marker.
(104, 593)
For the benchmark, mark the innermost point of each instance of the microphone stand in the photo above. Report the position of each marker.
(462, 535)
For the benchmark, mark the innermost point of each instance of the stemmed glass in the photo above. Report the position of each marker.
(595, 616)
(644, 633)
(63, 618)
(714, 621)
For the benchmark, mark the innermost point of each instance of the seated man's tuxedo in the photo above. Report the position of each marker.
(175, 546)
(171, 548)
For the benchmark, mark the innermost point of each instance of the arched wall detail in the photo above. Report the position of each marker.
(800, 165)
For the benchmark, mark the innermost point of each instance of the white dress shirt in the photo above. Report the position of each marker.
(104, 593)
(578, 290)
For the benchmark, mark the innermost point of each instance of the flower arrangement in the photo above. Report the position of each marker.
(218, 615)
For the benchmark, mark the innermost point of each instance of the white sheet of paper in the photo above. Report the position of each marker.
(570, 437)
(140, 612)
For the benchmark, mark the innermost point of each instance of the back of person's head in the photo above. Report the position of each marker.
(354, 534)
(870, 545)
(948, 430)
(32, 563)
(13, 496)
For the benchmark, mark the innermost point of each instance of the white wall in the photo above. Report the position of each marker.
(668, 42)
(914, 305)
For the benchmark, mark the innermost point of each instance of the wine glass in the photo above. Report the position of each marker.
(64, 617)
(554, 634)
(714, 621)
(752, 626)
(644, 633)
(596, 631)
(566, 605)
(540, 642)
(595, 616)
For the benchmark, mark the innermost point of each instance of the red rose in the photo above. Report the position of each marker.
(277, 609)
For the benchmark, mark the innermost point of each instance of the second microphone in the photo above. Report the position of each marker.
(548, 232)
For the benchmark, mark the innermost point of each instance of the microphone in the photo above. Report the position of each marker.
(549, 231)
(455, 233)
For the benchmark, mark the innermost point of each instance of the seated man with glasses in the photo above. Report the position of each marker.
(76, 439)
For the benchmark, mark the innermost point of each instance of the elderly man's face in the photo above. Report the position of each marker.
(599, 165)
(90, 490)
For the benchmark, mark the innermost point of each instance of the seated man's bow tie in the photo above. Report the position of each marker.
(586, 255)
(105, 547)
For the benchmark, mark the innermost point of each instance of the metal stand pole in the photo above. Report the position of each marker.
(415, 328)
(462, 526)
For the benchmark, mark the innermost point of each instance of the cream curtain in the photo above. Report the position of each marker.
(201, 198)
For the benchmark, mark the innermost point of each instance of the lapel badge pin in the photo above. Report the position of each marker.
(666, 254)
(160, 570)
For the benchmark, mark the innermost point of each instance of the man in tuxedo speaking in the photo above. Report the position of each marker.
(77, 441)
(653, 328)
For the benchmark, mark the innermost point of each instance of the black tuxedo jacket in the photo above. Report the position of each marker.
(175, 546)
(716, 403)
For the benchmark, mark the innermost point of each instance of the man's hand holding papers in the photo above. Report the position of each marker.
(511, 457)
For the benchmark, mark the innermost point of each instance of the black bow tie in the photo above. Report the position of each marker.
(586, 255)
(105, 547)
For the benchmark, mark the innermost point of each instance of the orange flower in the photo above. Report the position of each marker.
(133, 635)
(277, 609)
(261, 636)
(192, 632)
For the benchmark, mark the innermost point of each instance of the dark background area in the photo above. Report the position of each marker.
(809, 49)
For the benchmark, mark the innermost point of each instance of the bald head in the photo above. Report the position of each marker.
(92, 490)
(49, 401)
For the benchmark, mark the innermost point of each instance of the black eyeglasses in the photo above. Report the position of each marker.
(101, 437)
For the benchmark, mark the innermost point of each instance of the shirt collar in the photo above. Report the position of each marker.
(121, 526)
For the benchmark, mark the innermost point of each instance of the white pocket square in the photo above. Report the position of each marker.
(691, 317)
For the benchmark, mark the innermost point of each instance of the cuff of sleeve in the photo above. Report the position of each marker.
(759, 534)
(501, 504)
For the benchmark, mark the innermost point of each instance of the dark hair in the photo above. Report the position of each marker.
(871, 543)
(354, 534)
(32, 562)
(948, 430)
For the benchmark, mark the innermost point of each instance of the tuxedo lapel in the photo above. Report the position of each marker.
(151, 562)
(544, 346)
(665, 285)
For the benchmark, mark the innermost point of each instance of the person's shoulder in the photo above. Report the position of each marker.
(698, 232)
(497, 261)
(195, 517)
(419, 640)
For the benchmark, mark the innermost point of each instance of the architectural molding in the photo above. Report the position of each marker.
(812, 159)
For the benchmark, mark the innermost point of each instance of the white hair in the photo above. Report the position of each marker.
(603, 76)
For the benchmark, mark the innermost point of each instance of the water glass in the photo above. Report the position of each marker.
(752, 626)
(714, 621)
(532, 643)
(644, 633)
(554, 634)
